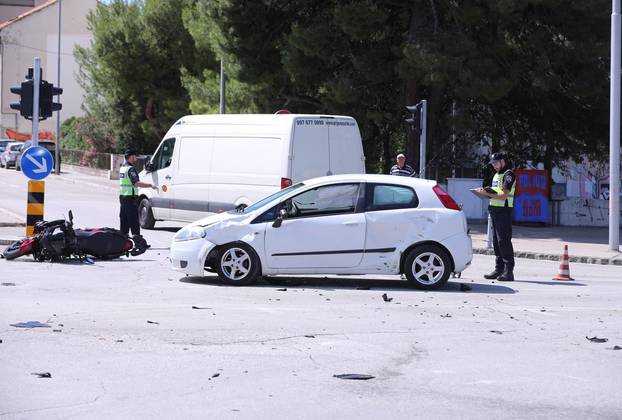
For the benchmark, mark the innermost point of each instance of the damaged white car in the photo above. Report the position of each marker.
(342, 224)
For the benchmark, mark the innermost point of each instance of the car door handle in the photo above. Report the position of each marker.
(167, 177)
(351, 223)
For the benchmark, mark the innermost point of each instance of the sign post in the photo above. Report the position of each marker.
(36, 77)
(37, 163)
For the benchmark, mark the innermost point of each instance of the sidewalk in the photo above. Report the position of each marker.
(585, 244)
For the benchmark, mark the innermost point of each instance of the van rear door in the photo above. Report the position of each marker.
(346, 149)
(310, 149)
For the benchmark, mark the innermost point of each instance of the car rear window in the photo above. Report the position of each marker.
(387, 197)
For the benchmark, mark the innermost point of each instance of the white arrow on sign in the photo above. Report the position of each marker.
(41, 166)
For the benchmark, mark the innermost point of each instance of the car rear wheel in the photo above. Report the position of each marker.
(145, 214)
(427, 267)
(238, 264)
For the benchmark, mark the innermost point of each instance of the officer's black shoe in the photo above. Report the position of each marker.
(507, 275)
(494, 275)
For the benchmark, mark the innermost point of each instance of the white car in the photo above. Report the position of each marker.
(341, 224)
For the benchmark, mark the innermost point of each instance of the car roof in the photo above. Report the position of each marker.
(376, 178)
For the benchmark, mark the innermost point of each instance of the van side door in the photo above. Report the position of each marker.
(162, 176)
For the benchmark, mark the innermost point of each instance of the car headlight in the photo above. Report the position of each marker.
(189, 234)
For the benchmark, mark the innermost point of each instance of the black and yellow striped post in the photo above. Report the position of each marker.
(34, 210)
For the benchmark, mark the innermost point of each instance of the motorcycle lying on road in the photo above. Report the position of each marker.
(58, 240)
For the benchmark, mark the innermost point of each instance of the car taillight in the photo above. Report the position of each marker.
(445, 198)
(285, 182)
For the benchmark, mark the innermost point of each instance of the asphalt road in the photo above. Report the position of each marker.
(132, 339)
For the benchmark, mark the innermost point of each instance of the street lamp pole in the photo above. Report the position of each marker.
(614, 129)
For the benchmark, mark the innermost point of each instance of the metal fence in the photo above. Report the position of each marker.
(86, 158)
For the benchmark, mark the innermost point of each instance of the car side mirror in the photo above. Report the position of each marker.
(282, 214)
(148, 165)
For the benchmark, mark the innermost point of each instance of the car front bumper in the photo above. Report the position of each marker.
(188, 257)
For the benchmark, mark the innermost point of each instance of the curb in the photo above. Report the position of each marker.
(553, 257)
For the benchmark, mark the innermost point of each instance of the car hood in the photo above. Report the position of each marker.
(219, 217)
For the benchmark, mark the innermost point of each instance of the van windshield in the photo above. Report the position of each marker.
(264, 201)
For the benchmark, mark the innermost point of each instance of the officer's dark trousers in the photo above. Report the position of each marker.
(502, 236)
(129, 215)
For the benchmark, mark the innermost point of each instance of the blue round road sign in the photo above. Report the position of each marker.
(36, 162)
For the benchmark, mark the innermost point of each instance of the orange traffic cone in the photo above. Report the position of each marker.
(564, 267)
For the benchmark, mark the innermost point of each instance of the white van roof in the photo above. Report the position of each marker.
(251, 119)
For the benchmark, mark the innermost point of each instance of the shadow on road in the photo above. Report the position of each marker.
(552, 282)
(336, 283)
(166, 229)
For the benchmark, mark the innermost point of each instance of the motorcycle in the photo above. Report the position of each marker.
(57, 240)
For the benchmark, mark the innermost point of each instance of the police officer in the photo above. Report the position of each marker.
(500, 209)
(128, 194)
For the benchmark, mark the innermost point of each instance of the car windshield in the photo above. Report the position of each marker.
(269, 198)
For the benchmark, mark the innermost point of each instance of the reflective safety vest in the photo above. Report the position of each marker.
(497, 185)
(127, 188)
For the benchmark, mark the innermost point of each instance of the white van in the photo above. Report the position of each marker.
(213, 163)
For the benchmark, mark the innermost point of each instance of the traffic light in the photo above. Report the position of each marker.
(415, 119)
(46, 100)
(24, 106)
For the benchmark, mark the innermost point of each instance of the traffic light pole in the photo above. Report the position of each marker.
(36, 77)
(423, 137)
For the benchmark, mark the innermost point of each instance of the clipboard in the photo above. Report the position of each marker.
(484, 197)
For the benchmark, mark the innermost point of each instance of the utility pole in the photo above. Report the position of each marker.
(57, 148)
(222, 85)
(614, 130)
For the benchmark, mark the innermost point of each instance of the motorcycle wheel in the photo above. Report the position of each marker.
(12, 251)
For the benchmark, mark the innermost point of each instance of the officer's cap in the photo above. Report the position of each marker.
(131, 152)
(495, 157)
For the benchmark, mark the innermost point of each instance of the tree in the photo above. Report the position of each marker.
(132, 71)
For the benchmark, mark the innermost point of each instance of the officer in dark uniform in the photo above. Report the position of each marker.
(128, 194)
(500, 209)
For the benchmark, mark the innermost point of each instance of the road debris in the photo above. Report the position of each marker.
(386, 298)
(446, 316)
(596, 339)
(354, 376)
(612, 348)
(31, 324)
(7, 284)
(465, 287)
(310, 336)
(496, 332)
(153, 322)
(42, 374)
(201, 307)
(215, 375)
(282, 290)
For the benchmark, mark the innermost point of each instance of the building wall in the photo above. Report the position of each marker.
(36, 36)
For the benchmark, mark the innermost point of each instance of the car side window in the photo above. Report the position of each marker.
(388, 197)
(322, 201)
(164, 156)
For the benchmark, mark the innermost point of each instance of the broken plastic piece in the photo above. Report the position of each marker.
(386, 298)
(596, 339)
(42, 374)
(30, 324)
(152, 322)
(354, 376)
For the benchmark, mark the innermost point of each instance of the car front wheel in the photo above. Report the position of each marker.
(238, 264)
(427, 267)
(145, 214)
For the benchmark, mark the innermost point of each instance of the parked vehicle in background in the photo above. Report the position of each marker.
(343, 224)
(9, 156)
(214, 163)
(3, 144)
(48, 144)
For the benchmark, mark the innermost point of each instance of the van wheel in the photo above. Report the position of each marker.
(145, 215)
(427, 267)
(238, 264)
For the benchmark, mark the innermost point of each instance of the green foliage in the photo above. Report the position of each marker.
(527, 76)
